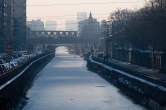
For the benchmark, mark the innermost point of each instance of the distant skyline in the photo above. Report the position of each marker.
(50, 25)
(71, 25)
(63, 10)
(82, 16)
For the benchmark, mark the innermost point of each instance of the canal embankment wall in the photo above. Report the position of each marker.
(15, 85)
(143, 91)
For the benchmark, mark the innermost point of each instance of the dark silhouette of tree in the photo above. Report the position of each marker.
(142, 29)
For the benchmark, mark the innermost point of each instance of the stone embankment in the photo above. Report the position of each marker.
(141, 89)
(15, 84)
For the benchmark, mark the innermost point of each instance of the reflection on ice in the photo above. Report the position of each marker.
(62, 50)
(68, 60)
(69, 64)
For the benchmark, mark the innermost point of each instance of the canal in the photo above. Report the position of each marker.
(66, 84)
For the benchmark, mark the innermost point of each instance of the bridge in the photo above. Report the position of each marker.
(55, 34)
(46, 36)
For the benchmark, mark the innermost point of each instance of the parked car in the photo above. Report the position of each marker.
(2, 61)
(7, 66)
(1, 70)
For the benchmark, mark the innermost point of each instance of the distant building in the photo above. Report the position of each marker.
(50, 25)
(19, 24)
(89, 28)
(2, 37)
(71, 25)
(35, 25)
(81, 16)
(6, 23)
(89, 32)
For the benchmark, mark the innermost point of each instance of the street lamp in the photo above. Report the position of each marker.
(109, 37)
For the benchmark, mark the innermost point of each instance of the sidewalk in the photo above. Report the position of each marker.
(146, 71)
(136, 70)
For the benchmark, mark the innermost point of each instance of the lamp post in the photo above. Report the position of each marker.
(106, 36)
(109, 38)
(111, 48)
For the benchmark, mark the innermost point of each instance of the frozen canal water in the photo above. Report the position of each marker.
(66, 84)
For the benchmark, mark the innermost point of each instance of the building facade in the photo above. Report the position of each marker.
(1, 24)
(19, 10)
(35, 25)
(6, 23)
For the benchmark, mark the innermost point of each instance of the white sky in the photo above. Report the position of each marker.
(62, 10)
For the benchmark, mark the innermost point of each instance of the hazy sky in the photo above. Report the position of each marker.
(62, 10)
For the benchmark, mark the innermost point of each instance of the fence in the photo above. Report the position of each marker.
(146, 58)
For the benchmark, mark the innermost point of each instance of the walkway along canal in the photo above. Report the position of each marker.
(66, 84)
